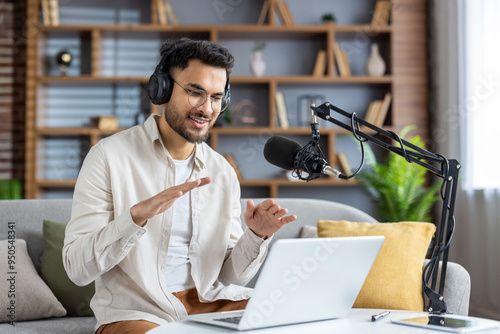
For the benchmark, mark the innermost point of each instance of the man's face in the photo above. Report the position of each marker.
(194, 123)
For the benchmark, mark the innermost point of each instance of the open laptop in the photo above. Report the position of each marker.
(304, 280)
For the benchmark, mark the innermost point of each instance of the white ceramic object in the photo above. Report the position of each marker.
(375, 65)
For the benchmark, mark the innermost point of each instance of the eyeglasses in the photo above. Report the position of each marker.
(196, 98)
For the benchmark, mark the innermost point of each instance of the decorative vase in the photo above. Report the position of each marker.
(375, 65)
(257, 63)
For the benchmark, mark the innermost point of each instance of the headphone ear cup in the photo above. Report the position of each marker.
(160, 88)
(227, 95)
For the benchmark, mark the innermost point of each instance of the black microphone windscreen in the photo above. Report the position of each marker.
(281, 151)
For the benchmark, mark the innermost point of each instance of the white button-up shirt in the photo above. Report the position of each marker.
(128, 262)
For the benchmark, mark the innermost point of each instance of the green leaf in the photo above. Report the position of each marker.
(398, 188)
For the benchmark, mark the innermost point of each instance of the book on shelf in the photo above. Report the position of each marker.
(341, 60)
(281, 110)
(170, 13)
(154, 12)
(285, 13)
(371, 113)
(320, 65)
(234, 164)
(160, 8)
(54, 12)
(264, 11)
(45, 12)
(345, 61)
(377, 110)
(281, 8)
(50, 12)
(343, 164)
(383, 110)
(381, 13)
(163, 13)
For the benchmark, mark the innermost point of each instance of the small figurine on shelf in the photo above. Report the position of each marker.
(329, 18)
(244, 113)
(63, 59)
(105, 122)
(257, 62)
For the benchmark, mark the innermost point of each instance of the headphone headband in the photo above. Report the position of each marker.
(161, 83)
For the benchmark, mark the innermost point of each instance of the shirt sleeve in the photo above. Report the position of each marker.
(95, 239)
(245, 259)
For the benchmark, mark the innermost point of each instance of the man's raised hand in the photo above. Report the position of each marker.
(159, 203)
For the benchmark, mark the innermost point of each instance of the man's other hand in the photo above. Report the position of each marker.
(266, 218)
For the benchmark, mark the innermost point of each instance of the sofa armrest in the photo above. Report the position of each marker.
(456, 288)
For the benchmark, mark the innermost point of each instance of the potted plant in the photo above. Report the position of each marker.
(398, 188)
(328, 18)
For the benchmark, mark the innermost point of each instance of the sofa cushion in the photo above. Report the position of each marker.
(63, 325)
(75, 299)
(309, 231)
(395, 280)
(24, 295)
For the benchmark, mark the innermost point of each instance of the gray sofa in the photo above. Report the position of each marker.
(28, 216)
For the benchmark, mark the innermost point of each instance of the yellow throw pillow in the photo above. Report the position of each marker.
(395, 280)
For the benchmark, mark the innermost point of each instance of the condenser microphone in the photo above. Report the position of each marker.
(290, 155)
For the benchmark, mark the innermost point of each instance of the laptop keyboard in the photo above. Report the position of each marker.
(232, 320)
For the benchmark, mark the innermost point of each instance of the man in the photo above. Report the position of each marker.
(155, 218)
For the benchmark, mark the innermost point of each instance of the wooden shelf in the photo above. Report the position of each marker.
(239, 28)
(89, 131)
(91, 79)
(75, 131)
(244, 183)
(299, 79)
(328, 182)
(262, 130)
(275, 184)
(242, 32)
(56, 184)
(404, 43)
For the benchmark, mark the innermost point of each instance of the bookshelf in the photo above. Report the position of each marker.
(100, 70)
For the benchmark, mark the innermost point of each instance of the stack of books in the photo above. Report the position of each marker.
(341, 60)
(377, 110)
(50, 12)
(162, 13)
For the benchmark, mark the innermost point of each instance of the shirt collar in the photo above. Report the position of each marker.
(151, 126)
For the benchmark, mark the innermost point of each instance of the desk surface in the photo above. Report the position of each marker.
(357, 322)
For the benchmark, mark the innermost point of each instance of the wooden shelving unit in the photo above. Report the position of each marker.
(407, 80)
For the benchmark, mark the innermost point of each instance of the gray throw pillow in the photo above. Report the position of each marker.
(23, 294)
(309, 231)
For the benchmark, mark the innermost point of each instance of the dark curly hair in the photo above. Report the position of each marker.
(180, 51)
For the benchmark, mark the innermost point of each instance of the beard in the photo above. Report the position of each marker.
(177, 121)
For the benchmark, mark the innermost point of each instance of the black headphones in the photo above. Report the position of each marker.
(161, 83)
